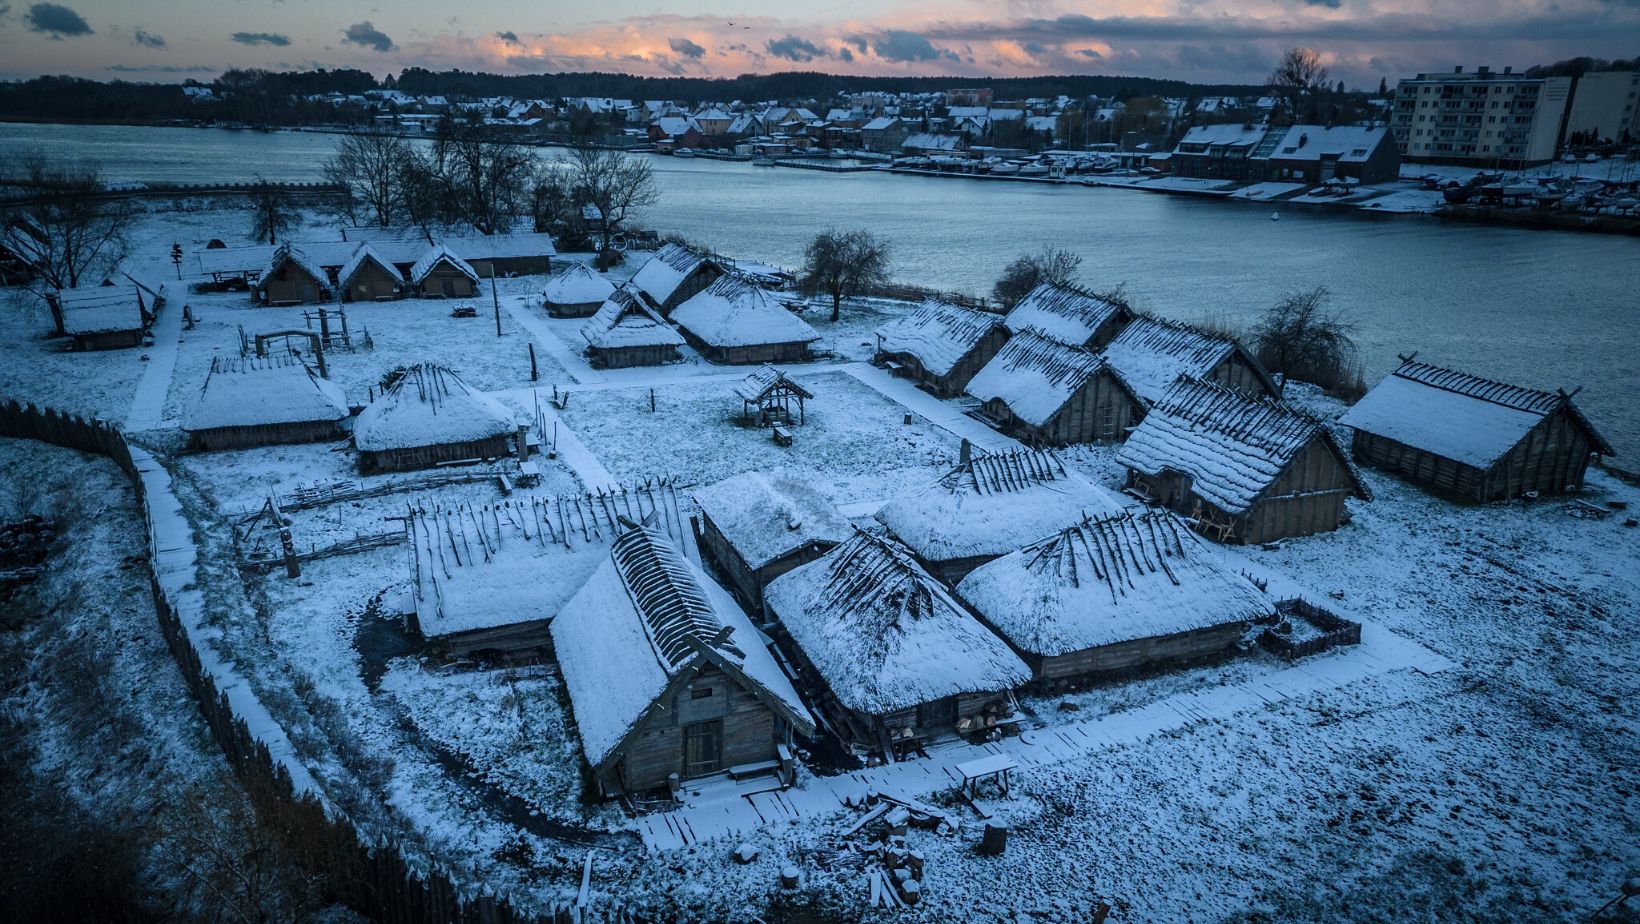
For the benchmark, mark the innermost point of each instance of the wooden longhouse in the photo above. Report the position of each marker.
(577, 292)
(1046, 393)
(766, 398)
(1071, 315)
(736, 321)
(1151, 354)
(890, 657)
(940, 345)
(107, 317)
(292, 278)
(441, 274)
(367, 276)
(988, 506)
(1114, 594)
(674, 275)
(627, 332)
(262, 402)
(667, 678)
(756, 526)
(430, 417)
(1243, 469)
(1471, 438)
(518, 253)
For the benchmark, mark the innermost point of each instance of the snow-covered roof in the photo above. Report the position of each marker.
(993, 504)
(764, 516)
(623, 320)
(1066, 313)
(761, 382)
(289, 253)
(1152, 354)
(1107, 580)
(429, 406)
(883, 633)
(929, 141)
(1349, 143)
(1233, 134)
(1233, 447)
(939, 334)
(736, 311)
(1035, 375)
(578, 285)
(364, 254)
(257, 392)
(1458, 416)
(101, 309)
(881, 123)
(646, 615)
(662, 273)
(440, 253)
(399, 246)
(676, 126)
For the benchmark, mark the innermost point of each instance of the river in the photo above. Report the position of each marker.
(1542, 308)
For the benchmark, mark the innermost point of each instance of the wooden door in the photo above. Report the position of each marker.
(703, 748)
(939, 714)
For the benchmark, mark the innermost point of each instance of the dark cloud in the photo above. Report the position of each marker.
(844, 54)
(367, 35)
(162, 69)
(261, 38)
(685, 47)
(900, 45)
(5, 9)
(148, 39)
(793, 48)
(1329, 4)
(56, 20)
(510, 37)
(1388, 27)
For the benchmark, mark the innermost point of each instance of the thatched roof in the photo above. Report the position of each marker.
(434, 257)
(661, 275)
(1152, 354)
(1066, 313)
(939, 334)
(578, 285)
(624, 320)
(766, 515)
(735, 311)
(288, 253)
(363, 255)
(429, 406)
(261, 392)
(1035, 375)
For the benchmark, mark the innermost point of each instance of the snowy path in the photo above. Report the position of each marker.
(556, 433)
(575, 364)
(148, 404)
(721, 812)
(942, 414)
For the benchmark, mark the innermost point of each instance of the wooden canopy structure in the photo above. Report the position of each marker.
(766, 397)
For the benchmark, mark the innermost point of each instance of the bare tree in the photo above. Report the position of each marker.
(370, 168)
(842, 263)
(479, 179)
(1026, 273)
(1297, 82)
(271, 212)
(615, 185)
(1300, 338)
(76, 231)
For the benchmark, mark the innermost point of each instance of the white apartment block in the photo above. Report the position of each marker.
(1605, 105)
(1482, 118)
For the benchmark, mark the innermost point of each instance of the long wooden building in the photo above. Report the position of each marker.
(261, 402)
(1071, 315)
(626, 332)
(1046, 393)
(106, 317)
(1471, 438)
(736, 321)
(427, 417)
(756, 526)
(1152, 354)
(1243, 469)
(940, 345)
(675, 274)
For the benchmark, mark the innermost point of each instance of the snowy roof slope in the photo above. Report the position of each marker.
(1349, 143)
(577, 285)
(765, 379)
(1233, 447)
(1107, 580)
(661, 275)
(1065, 313)
(248, 393)
(1455, 415)
(735, 311)
(429, 406)
(287, 253)
(884, 633)
(765, 516)
(993, 504)
(101, 309)
(440, 253)
(395, 245)
(1152, 354)
(625, 321)
(365, 254)
(938, 333)
(1035, 375)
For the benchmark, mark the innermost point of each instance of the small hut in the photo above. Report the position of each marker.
(757, 526)
(107, 317)
(894, 660)
(1116, 593)
(367, 276)
(1244, 469)
(940, 345)
(441, 274)
(667, 678)
(1472, 438)
(292, 278)
(735, 321)
(626, 332)
(261, 402)
(576, 292)
(674, 275)
(1151, 354)
(766, 398)
(1070, 315)
(989, 505)
(1049, 394)
(429, 417)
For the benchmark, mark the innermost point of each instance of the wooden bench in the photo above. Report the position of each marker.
(995, 767)
(529, 474)
(740, 771)
(780, 435)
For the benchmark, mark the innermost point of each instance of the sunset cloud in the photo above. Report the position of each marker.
(367, 35)
(56, 20)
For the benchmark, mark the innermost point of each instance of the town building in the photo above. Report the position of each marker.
(1481, 118)
(1605, 106)
(1316, 154)
(1220, 152)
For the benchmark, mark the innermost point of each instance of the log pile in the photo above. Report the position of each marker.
(876, 843)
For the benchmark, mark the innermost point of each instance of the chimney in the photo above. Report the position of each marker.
(1509, 70)
(1483, 70)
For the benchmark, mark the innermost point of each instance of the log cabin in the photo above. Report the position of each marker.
(292, 278)
(367, 276)
(988, 506)
(577, 292)
(1071, 315)
(675, 274)
(626, 332)
(1243, 469)
(263, 402)
(1046, 393)
(890, 658)
(736, 321)
(518, 253)
(1471, 438)
(756, 526)
(441, 274)
(430, 416)
(1151, 354)
(1114, 594)
(940, 345)
(668, 681)
(108, 317)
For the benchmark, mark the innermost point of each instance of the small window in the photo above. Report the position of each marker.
(701, 692)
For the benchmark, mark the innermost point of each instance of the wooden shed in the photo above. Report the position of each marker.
(262, 402)
(441, 274)
(367, 276)
(1071, 315)
(1046, 393)
(627, 332)
(889, 657)
(756, 526)
(1471, 438)
(767, 395)
(107, 317)
(667, 679)
(1115, 594)
(576, 292)
(940, 345)
(292, 278)
(430, 416)
(736, 321)
(674, 275)
(1151, 354)
(1243, 469)
(990, 505)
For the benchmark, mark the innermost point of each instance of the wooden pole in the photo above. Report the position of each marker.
(535, 371)
(495, 299)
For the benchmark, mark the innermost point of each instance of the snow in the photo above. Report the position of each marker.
(254, 392)
(1152, 354)
(365, 253)
(734, 311)
(625, 321)
(765, 516)
(1035, 375)
(429, 406)
(939, 334)
(1066, 314)
(662, 273)
(1351, 144)
(440, 254)
(290, 253)
(101, 309)
(394, 245)
(578, 285)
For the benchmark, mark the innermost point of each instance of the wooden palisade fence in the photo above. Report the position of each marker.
(1336, 630)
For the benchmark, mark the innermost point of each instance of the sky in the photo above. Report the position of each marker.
(1201, 41)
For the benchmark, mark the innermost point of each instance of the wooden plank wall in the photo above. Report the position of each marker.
(1308, 498)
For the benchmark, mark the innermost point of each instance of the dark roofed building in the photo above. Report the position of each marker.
(941, 345)
(1071, 315)
(1152, 354)
(1049, 394)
